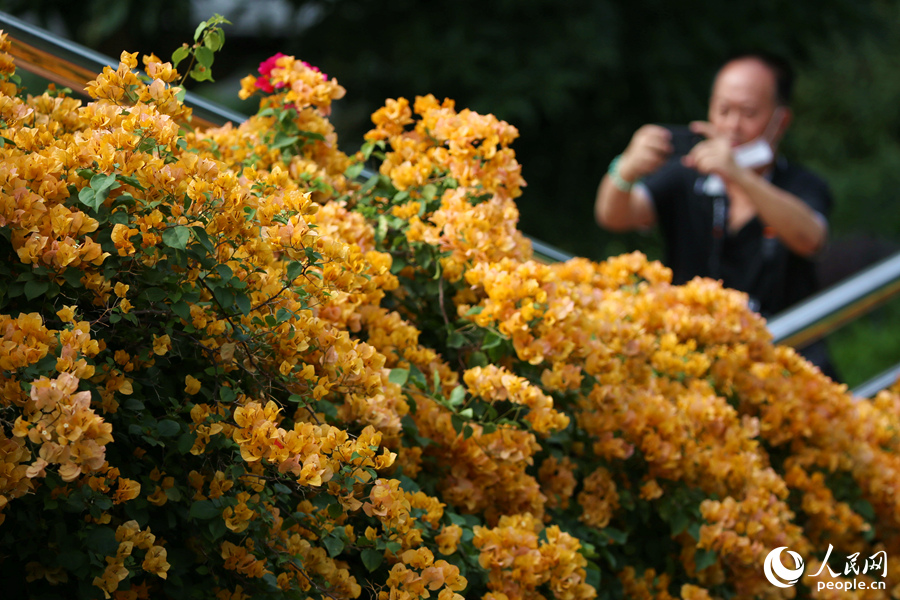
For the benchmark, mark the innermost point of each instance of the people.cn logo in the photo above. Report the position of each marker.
(777, 573)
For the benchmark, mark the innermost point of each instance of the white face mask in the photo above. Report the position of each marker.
(758, 153)
(752, 155)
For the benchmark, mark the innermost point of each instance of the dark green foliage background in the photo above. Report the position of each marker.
(577, 78)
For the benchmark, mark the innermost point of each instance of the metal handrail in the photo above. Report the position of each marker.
(71, 65)
(882, 381)
(828, 310)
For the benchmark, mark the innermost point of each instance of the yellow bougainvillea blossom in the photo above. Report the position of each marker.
(308, 386)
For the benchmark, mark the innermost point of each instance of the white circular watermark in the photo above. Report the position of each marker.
(777, 573)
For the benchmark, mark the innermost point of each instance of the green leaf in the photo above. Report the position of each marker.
(182, 309)
(704, 559)
(203, 237)
(73, 277)
(617, 536)
(203, 25)
(864, 509)
(72, 560)
(217, 528)
(478, 359)
(205, 56)
(102, 540)
(456, 519)
(185, 442)
(100, 187)
(283, 141)
(456, 340)
(87, 196)
(155, 294)
(457, 422)
(104, 184)
(132, 403)
(679, 522)
(180, 54)
(334, 545)
(103, 502)
(201, 73)
(132, 181)
(457, 396)
(204, 509)
(372, 558)
(168, 428)
(214, 40)
(243, 303)
(224, 272)
(294, 270)
(399, 376)
(592, 576)
(492, 340)
(176, 237)
(224, 296)
(123, 200)
(35, 288)
(353, 171)
(335, 510)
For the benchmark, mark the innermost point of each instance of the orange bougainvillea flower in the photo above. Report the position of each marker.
(309, 386)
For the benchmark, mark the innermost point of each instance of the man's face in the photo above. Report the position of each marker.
(743, 102)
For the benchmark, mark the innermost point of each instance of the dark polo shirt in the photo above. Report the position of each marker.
(751, 259)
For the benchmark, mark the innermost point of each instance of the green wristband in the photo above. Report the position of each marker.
(620, 182)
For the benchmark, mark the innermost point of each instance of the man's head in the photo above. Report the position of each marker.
(750, 98)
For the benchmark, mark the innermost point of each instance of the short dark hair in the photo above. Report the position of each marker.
(778, 65)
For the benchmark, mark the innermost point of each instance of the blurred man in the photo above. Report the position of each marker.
(731, 208)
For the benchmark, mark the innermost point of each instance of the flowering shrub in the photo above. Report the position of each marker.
(227, 369)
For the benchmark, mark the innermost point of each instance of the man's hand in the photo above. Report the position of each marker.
(619, 209)
(648, 150)
(712, 155)
(799, 227)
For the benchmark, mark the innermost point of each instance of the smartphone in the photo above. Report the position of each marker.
(683, 139)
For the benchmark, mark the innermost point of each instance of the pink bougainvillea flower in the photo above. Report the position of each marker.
(265, 70)
(266, 66)
(265, 85)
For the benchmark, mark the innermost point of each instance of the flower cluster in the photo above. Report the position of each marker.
(130, 538)
(300, 83)
(497, 384)
(518, 562)
(473, 149)
(308, 387)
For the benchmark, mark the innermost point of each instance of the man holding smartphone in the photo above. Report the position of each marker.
(730, 209)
